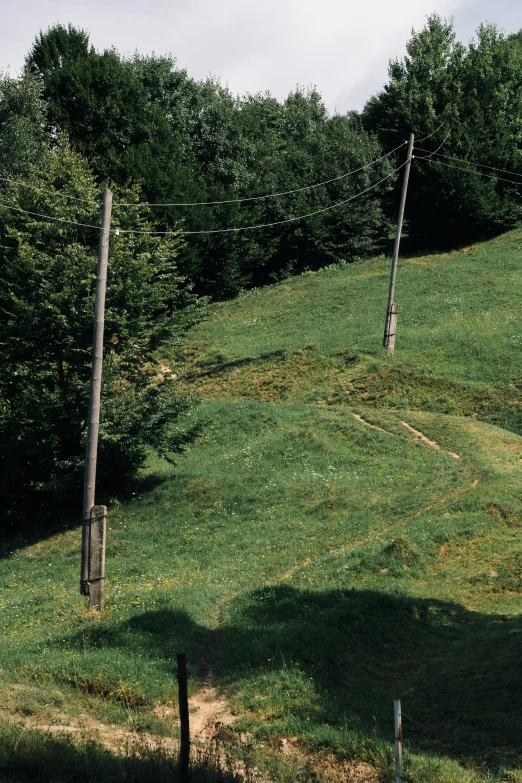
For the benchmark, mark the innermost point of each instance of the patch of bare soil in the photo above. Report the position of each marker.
(209, 715)
(418, 434)
(326, 767)
(113, 738)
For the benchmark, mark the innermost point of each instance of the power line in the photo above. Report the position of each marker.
(212, 231)
(435, 152)
(477, 173)
(469, 162)
(194, 203)
(264, 225)
(49, 217)
(48, 192)
(268, 195)
(434, 132)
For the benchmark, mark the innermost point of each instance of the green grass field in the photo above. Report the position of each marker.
(313, 564)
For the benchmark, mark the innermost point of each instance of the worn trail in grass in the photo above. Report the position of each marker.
(313, 555)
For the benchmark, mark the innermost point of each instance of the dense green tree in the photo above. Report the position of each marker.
(104, 110)
(22, 121)
(47, 278)
(475, 94)
(144, 120)
(246, 147)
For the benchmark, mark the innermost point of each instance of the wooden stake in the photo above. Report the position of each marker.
(398, 740)
(392, 328)
(184, 748)
(395, 257)
(95, 395)
(97, 526)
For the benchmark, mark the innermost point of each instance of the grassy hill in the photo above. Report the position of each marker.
(313, 554)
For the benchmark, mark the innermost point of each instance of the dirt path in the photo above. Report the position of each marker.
(209, 713)
(424, 438)
(113, 738)
(373, 426)
(418, 434)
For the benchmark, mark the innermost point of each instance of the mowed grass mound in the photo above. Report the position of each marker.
(311, 554)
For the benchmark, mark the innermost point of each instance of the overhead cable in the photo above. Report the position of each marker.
(118, 231)
(49, 217)
(264, 225)
(477, 173)
(259, 198)
(435, 152)
(471, 163)
(48, 192)
(434, 132)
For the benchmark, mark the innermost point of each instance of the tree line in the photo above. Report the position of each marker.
(76, 120)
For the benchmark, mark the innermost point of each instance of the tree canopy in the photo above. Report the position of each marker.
(469, 99)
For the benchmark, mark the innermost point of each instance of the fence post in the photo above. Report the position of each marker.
(398, 740)
(184, 748)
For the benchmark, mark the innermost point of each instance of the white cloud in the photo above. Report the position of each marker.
(341, 46)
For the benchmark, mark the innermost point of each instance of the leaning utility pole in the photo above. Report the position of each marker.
(94, 404)
(393, 275)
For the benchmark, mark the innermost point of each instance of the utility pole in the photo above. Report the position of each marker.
(95, 395)
(398, 242)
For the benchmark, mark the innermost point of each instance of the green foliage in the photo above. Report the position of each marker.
(103, 109)
(47, 280)
(22, 119)
(474, 92)
(258, 145)
(144, 120)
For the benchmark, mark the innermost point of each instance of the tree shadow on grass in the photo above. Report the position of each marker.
(36, 757)
(43, 516)
(219, 364)
(457, 672)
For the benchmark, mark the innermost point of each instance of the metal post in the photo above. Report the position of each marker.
(398, 740)
(95, 395)
(398, 239)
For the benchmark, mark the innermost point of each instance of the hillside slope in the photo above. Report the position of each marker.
(347, 531)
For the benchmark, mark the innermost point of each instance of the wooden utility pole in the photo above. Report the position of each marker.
(398, 242)
(398, 741)
(95, 395)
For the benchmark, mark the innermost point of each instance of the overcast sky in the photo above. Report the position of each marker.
(340, 46)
